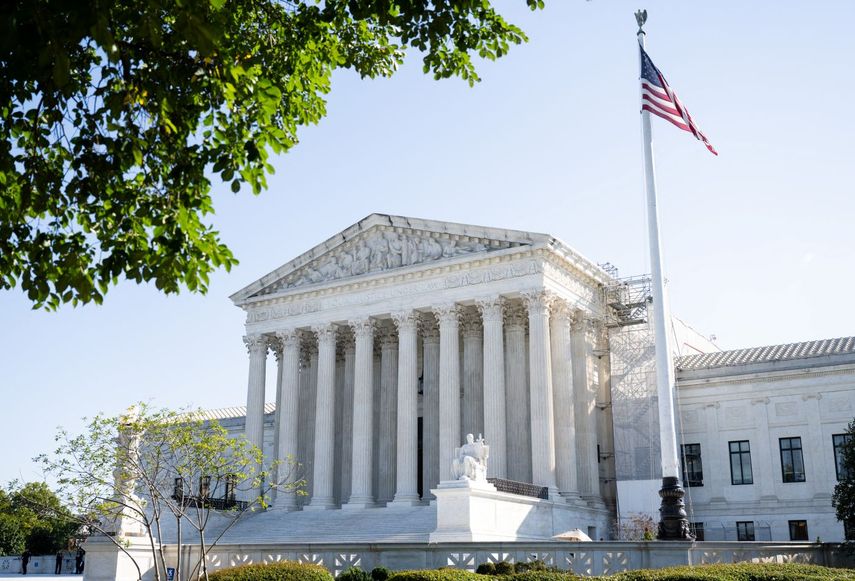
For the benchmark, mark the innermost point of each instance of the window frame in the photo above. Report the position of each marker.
(688, 480)
(740, 453)
(791, 451)
(796, 523)
(746, 524)
(695, 528)
(838, 453)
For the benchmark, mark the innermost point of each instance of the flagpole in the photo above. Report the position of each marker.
(673, 522)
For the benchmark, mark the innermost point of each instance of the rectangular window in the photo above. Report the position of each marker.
(178, 489)
(205, 487)
(693, 470)
(697, 529)
(744, 531)
(798, 530)
(840, 441)
(792, 461)
(740, 463)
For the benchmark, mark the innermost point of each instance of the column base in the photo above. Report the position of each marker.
(325, 503)
(359, 504)
(674, 522)
(573, 498)
(404, 501)
(594, 501)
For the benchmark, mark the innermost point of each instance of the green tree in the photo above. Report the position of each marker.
(131, 474)
(115, 114)
(32, 516)
(843, 499)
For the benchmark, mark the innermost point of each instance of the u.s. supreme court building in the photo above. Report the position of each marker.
(397, 337)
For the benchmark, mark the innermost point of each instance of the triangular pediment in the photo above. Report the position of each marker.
(381, 243)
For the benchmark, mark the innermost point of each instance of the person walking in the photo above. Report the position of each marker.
(78, 561)
(58, 568)
(25, 560)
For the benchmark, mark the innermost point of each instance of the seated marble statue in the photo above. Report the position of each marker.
(470, 460)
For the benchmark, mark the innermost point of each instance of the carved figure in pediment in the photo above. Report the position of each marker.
(328, 270)
(361, 259)
(411, 251)
(430, 249)
(395, 257)
(344, 265)
(379, 250)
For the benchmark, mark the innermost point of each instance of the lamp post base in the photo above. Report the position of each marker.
(673, 521)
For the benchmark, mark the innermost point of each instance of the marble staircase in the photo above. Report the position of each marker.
(375, 525)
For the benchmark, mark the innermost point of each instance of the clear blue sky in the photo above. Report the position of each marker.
(758, 242)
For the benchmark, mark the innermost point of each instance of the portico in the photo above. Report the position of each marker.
(398, 336)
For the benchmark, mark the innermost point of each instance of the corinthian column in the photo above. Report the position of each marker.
(585, 385)
(287, 415)
(363, 383)
(473, 373)
(562, 386)
(516, 392)
(407, 492)
(388, 414)
(324, 420)
(495, 430)
(347, 416)
(540, 379)
(449, 387)
(430, 405)
(254, 427)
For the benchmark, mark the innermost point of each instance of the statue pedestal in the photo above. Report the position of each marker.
(107, 562)
(465, 512)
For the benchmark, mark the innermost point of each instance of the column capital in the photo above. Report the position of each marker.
(256, 344)
(346, 339)
(429, 328)
(492, 309)
(515, 315)
(289, 337)
(406, 320)
(470, 321)
(538, 301)
(561, 310)
(275, 345)
(362, 328)
(388, 336)
(325, 333)
(447, 314)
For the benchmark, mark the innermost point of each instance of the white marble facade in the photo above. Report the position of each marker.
(398, 323)
(398, 336)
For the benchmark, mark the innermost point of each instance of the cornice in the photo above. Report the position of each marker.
(767, 377)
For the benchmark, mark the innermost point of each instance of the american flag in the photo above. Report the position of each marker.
(660, 99)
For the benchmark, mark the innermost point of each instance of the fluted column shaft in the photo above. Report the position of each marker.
(363, 416)
(495, 429)
(540, 380)
(254, 427)
(387, 447)
(585, 385)
(473, 374)
(324, 419)
(406, 491)
(430, 406)
(449, 387)
(347, 420)
(516, 392)
(287, 414)
(562, 385)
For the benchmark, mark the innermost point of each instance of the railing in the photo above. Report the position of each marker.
(520, 488)
(213, 503)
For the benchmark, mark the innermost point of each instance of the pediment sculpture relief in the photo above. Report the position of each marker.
(382, 251)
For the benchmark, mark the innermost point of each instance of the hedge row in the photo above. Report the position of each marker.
(739, 572)
(290, 571)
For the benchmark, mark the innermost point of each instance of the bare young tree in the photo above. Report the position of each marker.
(126, 475)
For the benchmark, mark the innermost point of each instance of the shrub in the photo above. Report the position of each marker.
(536, 565)
(380, 573)
(739, 572)
(544, 575)
(281, 571)
(486, 569)
(354, 574)
(445, 574)
(504, 568)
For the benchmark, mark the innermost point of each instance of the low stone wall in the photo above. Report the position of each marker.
(595, 558)
(39, 565)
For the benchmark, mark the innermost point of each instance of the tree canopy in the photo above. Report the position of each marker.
(843, 499)
(116, 114)
(32, 517)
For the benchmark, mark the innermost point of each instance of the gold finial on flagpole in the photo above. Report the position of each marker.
(641, 18)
